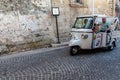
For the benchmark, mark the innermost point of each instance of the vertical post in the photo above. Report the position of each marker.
(51, 5)
(117, 10)
(93, 7)
(83, 7)
(113, 7)
(118, 5)
(56, 12)
(57, 30)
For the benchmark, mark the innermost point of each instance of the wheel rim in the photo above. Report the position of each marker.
(74, 50)
(112, 46)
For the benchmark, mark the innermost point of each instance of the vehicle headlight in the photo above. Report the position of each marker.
(84, 36)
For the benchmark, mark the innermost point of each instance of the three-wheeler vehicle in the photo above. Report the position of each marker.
(86, 34)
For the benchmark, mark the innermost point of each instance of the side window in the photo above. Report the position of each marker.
(78, 4)
(79, 1)
(76, 1)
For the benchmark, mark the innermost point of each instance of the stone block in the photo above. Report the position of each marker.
(3, 49)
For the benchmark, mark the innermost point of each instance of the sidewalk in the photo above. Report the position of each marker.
(38, 50)
(61, 44)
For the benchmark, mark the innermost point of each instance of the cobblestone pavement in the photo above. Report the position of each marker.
(57, 64)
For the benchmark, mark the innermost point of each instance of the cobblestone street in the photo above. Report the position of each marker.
(57, 64)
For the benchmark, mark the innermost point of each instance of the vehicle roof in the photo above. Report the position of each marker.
(95, 15)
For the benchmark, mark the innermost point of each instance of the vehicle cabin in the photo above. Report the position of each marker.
(87, 34)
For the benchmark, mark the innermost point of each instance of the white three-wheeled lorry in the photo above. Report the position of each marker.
(86, 34)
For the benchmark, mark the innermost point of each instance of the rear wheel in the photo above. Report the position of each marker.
(112, 46)
(74, 50)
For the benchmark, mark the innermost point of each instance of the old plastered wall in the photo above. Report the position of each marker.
(24, 22)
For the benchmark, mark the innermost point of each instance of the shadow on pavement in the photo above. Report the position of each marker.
(93, 51)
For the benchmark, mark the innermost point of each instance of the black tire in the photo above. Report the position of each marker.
(74, 50)
(112, 46)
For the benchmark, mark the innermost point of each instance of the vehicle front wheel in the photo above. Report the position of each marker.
(74, 50)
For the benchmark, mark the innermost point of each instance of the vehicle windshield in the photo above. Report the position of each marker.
(84, 23)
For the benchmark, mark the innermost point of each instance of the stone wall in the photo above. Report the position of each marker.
(25, 22)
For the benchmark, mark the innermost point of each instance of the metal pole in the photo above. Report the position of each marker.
(57, 30)
(83, 7)
(51, 5)
(93, 7)
(113, 7)
(118, 10)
